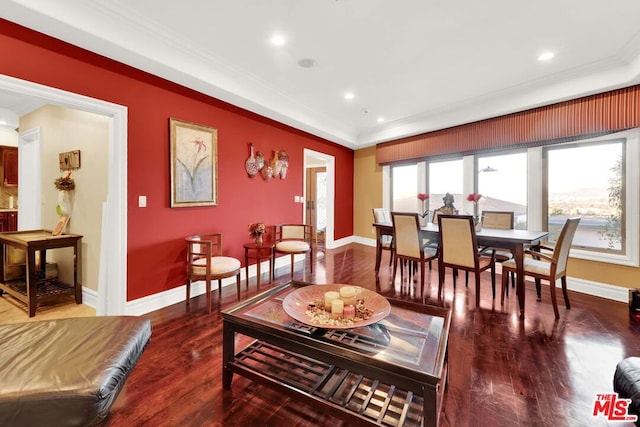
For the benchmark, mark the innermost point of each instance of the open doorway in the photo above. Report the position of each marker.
(319, 194)
(111, 294)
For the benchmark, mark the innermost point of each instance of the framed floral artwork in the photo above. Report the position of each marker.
(194, 164)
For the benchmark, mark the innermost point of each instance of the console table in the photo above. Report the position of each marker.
(32, 289)
(393, 372)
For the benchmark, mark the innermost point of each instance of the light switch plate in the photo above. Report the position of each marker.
(142, 201)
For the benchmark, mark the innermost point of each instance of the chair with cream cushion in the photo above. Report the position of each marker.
(548, 266)
(383, 216)
(409, 245)
(502, 220)
(459, 250)
(294, 239)
(206, 262)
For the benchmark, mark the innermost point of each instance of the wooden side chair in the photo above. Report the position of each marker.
(294, 239)
(409, 245)
(383, 216)
(459, 250)
(548, 266)
(503, 220)
(206, 262)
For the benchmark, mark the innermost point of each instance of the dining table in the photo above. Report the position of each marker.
(514, 240)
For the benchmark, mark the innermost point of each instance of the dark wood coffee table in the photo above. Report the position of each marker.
(393, 372)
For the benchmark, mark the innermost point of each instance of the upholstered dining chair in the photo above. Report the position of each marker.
(409, 245)
(383, 216)
(459, 250)
(294, 239)
(503, 220)
(550, 265)
(206, 262)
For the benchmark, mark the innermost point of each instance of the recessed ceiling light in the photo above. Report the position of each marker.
(380, 119)
(277, 40)
(545, 56)
(349, 96)
(307, 63)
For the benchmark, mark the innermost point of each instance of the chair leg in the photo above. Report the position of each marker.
(238, 283)
(505, 287)
(208, 291)
(188, 291)
(292, 263)
(421, 277)
(395, 268)
(538, 291)
(440, 280)
(477, 288)
(552, 288)
(493, 281)
(219, 287)
(311, 261)
(466, 278)
(564, 292)
(513, 279)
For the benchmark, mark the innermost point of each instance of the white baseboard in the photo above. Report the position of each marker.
(173, 296)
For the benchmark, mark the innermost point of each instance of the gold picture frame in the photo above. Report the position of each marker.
(194, 164)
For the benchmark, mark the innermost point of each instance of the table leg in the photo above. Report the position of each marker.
(258, 269)
(228, 350)
(246, 265)
(519, 259)
(76, 266)
(378, 249)
(32, 289)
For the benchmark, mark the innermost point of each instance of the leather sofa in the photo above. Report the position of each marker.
(626, 382)
(67, 372)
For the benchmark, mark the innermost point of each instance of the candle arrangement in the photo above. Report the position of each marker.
(341, 307)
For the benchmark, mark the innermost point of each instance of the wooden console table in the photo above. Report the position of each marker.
(393, 372)
(33, 288)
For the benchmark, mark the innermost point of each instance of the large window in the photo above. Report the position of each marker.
(502, 181)
(445, 177)
(586, 180)
(404, 188)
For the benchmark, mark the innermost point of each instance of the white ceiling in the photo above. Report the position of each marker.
(421, 64)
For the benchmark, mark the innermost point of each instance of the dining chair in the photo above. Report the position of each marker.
(294, 239)
(206, 262)
(459, 250)
(550, 265)
(383, 216)
(503, 220)
(409, 245)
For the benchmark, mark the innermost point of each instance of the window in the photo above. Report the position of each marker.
(586, 180)
(502, 181)
(404, 188)
(445, 177)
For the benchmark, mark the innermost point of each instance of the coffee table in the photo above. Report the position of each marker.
(393, 372)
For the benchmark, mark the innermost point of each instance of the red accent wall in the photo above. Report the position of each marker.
(156, 249)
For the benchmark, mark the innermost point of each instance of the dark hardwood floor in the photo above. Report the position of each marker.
(503, 371)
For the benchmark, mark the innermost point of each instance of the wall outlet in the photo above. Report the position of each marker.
(142, 201)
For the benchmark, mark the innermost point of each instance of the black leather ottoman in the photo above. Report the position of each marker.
(626, 382)
(67, 372)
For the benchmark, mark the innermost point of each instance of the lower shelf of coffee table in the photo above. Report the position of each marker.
(355, 398)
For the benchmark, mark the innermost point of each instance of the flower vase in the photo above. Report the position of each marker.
(477, 223)
(65, 202)
(258, 238)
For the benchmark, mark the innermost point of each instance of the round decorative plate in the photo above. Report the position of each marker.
(296, 303)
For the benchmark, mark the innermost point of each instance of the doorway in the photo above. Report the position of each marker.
(112, 286)
(319, 191)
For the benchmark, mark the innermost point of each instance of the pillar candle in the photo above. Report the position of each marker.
(337, 306)
(348, 295)
(328, 297)
(349, 312)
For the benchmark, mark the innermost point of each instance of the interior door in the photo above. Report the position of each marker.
(316, 207)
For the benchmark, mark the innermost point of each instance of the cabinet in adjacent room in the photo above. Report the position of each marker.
(8, 221)
(9, 166)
